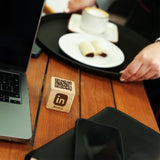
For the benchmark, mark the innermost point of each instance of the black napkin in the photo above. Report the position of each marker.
(139, 141)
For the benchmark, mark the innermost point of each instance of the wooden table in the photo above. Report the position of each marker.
(93, 93)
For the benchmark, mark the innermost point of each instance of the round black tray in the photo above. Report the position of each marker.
(53, 26)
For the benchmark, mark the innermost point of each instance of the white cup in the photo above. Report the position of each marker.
(94, 20)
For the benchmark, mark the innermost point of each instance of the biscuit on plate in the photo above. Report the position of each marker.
(100, 47)
(87, 49)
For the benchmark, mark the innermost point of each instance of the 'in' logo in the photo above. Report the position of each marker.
(60, 99)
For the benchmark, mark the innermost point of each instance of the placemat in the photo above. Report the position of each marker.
(140, 142)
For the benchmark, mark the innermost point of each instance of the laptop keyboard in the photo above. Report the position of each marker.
(9, 88)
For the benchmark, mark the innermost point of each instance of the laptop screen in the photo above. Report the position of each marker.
(18, 28)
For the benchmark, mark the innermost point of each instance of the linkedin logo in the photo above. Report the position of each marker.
(60, 99)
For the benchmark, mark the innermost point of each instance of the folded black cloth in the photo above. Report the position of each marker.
(139, 141)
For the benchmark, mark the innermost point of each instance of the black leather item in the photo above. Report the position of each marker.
(140, 142)
(94, 141)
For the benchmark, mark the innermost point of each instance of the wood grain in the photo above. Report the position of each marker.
(54, 123)
(131, 99)
(96, 94)
(35, 75)
(92, 94)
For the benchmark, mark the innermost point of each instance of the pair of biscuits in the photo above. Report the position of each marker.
(95, 47)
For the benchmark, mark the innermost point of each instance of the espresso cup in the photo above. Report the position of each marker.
(94, 20)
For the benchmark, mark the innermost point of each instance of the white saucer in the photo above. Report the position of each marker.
(111, 33)
(69, 43)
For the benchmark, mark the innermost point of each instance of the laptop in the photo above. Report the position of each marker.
(18, 28)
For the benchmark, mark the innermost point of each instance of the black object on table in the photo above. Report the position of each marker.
(53, 26)
(36, 51)
(139, 141)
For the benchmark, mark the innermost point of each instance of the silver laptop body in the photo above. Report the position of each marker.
(18, 28)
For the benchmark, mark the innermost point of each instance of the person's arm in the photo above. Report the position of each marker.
(76, 5)
(146, 65)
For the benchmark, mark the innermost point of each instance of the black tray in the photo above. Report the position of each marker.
(53, 26)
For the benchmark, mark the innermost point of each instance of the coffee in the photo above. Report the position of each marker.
(97, 12)
(94, 20)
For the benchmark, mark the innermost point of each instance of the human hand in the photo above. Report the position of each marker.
(146, 65)
(76, 5)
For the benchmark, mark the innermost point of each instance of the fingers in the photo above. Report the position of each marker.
(77, 5)
(67, 10)
(140, 73)
(73, 6)
(146, 65)
(148, 75)
(130, 71)
(71, 9)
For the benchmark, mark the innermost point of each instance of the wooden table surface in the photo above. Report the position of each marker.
(92, 94)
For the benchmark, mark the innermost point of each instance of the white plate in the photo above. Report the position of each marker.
(111, 33)
(69, 43)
